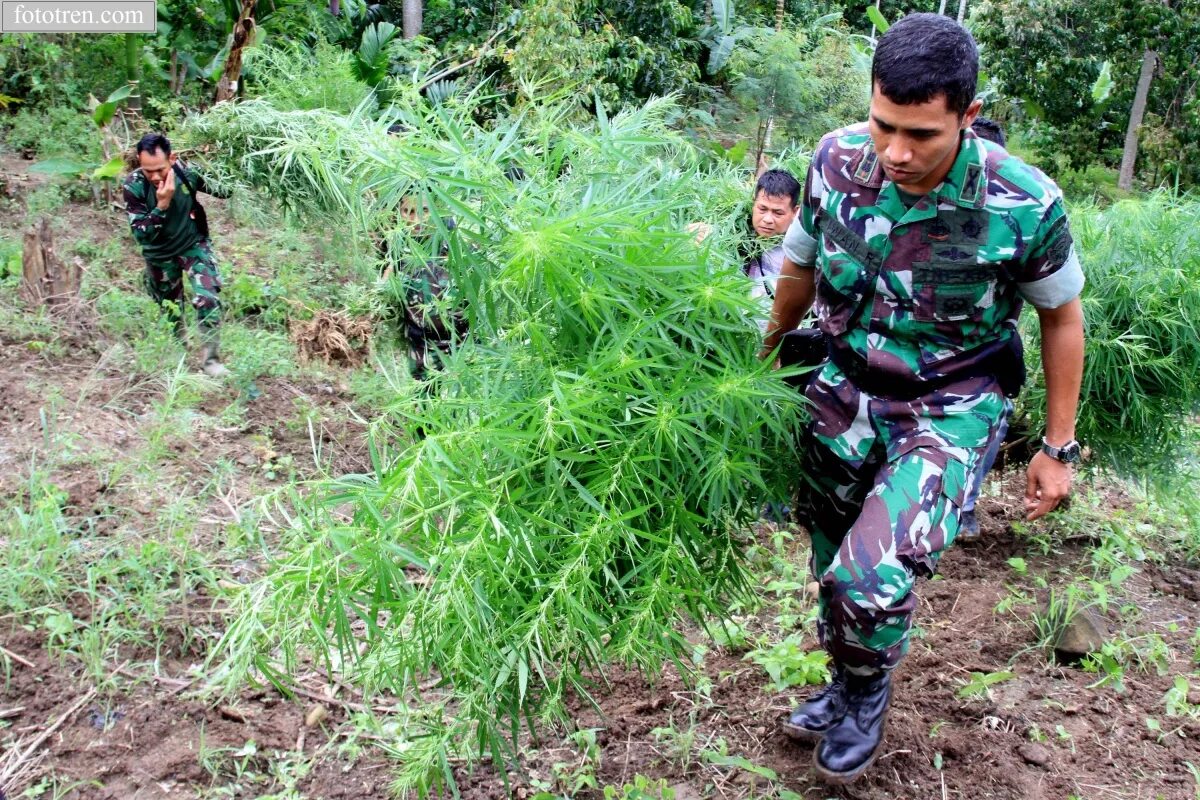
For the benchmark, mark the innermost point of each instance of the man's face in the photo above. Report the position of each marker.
(412, 215)
(771, 214)
(155, 166)
(917, 144)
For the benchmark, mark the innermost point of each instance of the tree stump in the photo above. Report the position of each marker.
(47, 280)
(243, 30)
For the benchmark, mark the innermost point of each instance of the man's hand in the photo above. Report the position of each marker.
(166, 190)
(1048, 482)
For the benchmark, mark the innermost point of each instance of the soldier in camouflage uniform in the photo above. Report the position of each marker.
(918, 243)
(169, 223)
(421, 286)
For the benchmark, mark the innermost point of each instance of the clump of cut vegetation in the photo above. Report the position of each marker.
(332, 337)
(584, 460)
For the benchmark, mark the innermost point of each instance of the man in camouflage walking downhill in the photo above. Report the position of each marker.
(918, 244)
(169, 223)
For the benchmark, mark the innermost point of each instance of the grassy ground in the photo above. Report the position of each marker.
(138, 500)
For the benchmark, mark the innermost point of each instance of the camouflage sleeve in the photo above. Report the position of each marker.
(201, 185)
(799, 246)
(800, 241)
(1050, 274)
(145, 221)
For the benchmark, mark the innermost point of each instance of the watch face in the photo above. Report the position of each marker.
(1070, 453)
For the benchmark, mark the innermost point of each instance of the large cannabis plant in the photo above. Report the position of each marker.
(1141, 383)
(590, 451)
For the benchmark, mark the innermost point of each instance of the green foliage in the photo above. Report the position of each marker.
(56, 131)
(136, 319)
(981, 683)
(1072, 67)
(10, 258)
(253, 353)
(642, 788)
(807, 80)
(552, 52)
(104, 112)
(586, 455)
(371, 61)
(877, 19)
(790, 665)
(292, 77)
(1142, 310)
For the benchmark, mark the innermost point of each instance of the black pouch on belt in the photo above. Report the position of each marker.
(804, 347)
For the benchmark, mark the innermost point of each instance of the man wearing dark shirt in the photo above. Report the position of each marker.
(169, 223)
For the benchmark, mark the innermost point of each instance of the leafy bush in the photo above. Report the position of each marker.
(56, 131)
(588, 453)
(299, 78)
(1142, 310)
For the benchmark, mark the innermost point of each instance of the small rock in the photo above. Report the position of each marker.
(232, 714)
(1193, 697)
(685, 791)
(244, 570)
(1034, 754)
(811, 590)
(1084, 634)
(316, 715)
(247, 460)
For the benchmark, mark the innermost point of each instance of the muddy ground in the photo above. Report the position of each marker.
(145, 732)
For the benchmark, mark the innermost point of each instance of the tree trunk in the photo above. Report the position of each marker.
(708, 12)
(780, 7)
(413, 12)
(46, 280)
(133, 71)
(962, 11)
(1129, 155)
(175, 83)
(243, 30)
(942, 7)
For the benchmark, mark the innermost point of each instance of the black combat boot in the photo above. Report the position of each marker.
(811, 719)
(968, 528)
(852, 743)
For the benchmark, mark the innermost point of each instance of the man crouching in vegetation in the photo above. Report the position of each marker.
(918, 246)
(170, 225)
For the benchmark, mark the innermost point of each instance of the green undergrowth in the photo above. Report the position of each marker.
(1141, 305)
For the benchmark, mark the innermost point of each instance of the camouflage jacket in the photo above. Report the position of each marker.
(920, 293)
(163, 234)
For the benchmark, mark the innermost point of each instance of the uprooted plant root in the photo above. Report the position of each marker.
(332, 337)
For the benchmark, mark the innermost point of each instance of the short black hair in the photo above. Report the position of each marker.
(152, 142)
(778, 183)
(989, 129)
(925, 55)
(397, 128)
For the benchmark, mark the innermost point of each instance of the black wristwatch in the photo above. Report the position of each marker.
(1069, 453)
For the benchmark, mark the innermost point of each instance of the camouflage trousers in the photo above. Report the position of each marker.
(164, 282)
(876, 526)
(425, 353)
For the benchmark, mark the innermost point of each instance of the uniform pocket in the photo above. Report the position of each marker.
(947, 290)
(936, 484)
(848, 268)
